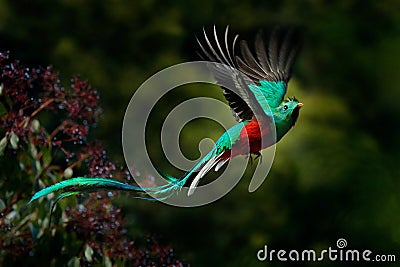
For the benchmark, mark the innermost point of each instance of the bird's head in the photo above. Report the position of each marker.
(288, 110)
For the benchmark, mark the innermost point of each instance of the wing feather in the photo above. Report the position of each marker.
(273, 51)
(239, 73)
(261, 52)
(250, 60)
(274, 63)
(227, 76)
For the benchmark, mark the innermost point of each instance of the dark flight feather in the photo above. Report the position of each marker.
(228, 77)
(276, 65)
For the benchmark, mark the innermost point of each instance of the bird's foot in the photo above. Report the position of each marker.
(258, 155)
(251, 159)
(249, 156)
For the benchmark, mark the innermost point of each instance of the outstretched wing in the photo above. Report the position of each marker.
(266, 77)
(235, 84)
(271, 71)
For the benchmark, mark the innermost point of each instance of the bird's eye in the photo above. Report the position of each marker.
(285, 107)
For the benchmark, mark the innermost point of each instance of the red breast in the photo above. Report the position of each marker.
(251, 133)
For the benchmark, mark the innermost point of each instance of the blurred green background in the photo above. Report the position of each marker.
(336, 174)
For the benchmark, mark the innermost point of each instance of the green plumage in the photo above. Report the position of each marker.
(260, 84)
(79, 184)
(272, 92)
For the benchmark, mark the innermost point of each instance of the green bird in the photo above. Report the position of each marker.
(254, 88)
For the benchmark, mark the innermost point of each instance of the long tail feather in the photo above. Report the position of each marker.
(203, 166)
(215, 158)
(84, 184)
(61, 196)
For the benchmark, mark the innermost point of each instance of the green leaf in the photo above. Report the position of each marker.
(88, 253)
(14, 139)
(33, 150)
(3, 145)
(107, 261)
(74, 262)
(34, 231)
(3, 109)
(35, 126)
(46, 156)
(2, 204)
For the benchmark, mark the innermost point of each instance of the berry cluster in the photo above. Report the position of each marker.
(44, 137)
(100, 227)
(27, 93)
(98, 165)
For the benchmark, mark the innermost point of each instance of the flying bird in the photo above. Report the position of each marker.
(254, 86)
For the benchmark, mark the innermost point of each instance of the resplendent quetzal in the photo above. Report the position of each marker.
(257, 102)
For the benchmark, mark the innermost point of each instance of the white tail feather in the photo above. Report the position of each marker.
(208, 166)
(220, 164)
